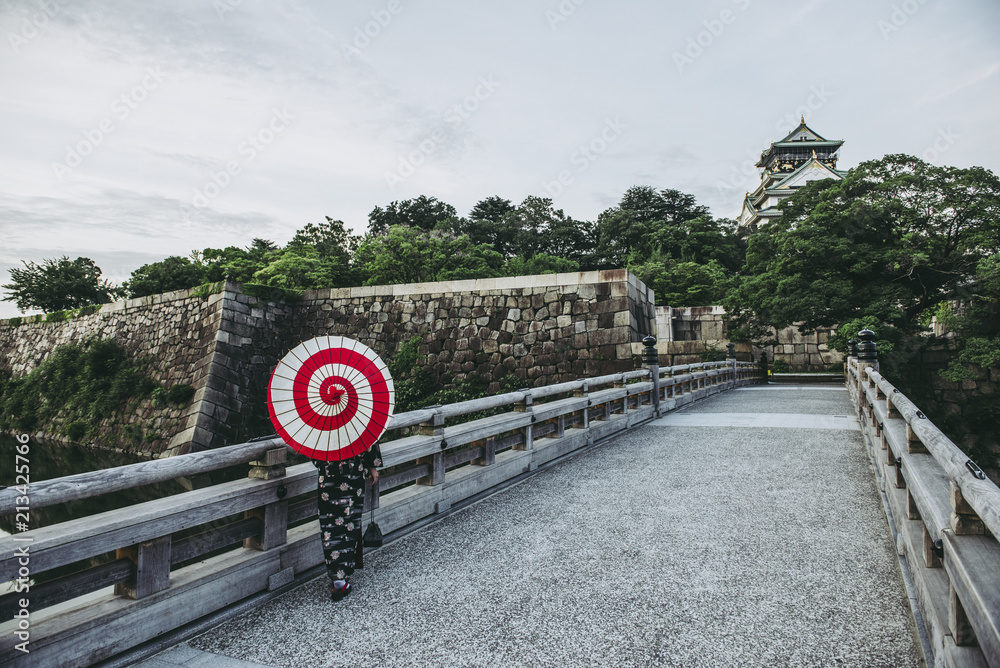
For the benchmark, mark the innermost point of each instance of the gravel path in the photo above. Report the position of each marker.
(668, 546)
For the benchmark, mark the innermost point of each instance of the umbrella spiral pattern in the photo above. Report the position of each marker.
(330, 398)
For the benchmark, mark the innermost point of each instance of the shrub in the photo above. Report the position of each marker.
(57, 316)
(160, 397)
(180, 394)
(780, 366)
(133, 433)
(207, 289)
(78, 383)
(75, 430)
(713, 354)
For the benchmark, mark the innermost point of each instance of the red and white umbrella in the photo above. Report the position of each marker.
(330, 398)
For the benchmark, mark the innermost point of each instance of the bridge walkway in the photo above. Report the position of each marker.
(745, 530)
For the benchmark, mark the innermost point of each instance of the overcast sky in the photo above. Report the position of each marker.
(136, 130)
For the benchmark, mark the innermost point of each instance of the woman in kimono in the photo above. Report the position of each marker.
(341, 505)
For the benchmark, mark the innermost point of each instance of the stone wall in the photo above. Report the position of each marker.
(540, 329)
(543, 329)
(176, 329)
(962, 409)
(694, 330)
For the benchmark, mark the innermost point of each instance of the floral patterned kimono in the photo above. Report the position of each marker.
(341, 505)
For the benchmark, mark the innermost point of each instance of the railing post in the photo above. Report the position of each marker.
(867, 350)
(273, 516)
(489, 452)
(651, 360)
(731, 359)
(152, 568)
(270, 466)
(433, 427)
(852, 353)
(525, 407)
(583, 392)
(763, 365)
(964, 519)
(619, 383)
(958, 622)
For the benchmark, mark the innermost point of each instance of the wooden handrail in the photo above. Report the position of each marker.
(93, 483)
(487, 451)
(982, 495)
(945, 519)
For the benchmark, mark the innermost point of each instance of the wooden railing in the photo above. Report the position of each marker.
(177, 559)
(945, 515)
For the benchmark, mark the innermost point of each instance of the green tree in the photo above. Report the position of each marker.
(891, 242)
(539, 263)
(300, 268)
(58, 284)
(239, 264)
(488, 224)
(423, 212)
(644, 222)
(976, 320)
(679, 283)
(334, 246)
(410, 255)
(173, 273)
(329, 238)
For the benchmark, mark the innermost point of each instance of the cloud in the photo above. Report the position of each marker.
(947, 88)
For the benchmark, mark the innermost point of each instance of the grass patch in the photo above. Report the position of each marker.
(77, 385)
(208, 289)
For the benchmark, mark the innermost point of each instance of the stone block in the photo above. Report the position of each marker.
(712, 331)
(622, 319)
(612, 305)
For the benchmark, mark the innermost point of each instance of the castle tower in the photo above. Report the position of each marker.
(785, 166)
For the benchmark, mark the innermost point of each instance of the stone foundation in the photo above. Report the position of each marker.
(541, 329)
(698, 330)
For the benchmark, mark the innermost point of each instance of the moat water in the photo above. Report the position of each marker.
(46, 460)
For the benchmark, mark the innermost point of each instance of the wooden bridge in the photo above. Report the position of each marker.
(182, 564)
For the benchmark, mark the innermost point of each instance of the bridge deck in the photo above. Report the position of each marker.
(743, 530)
